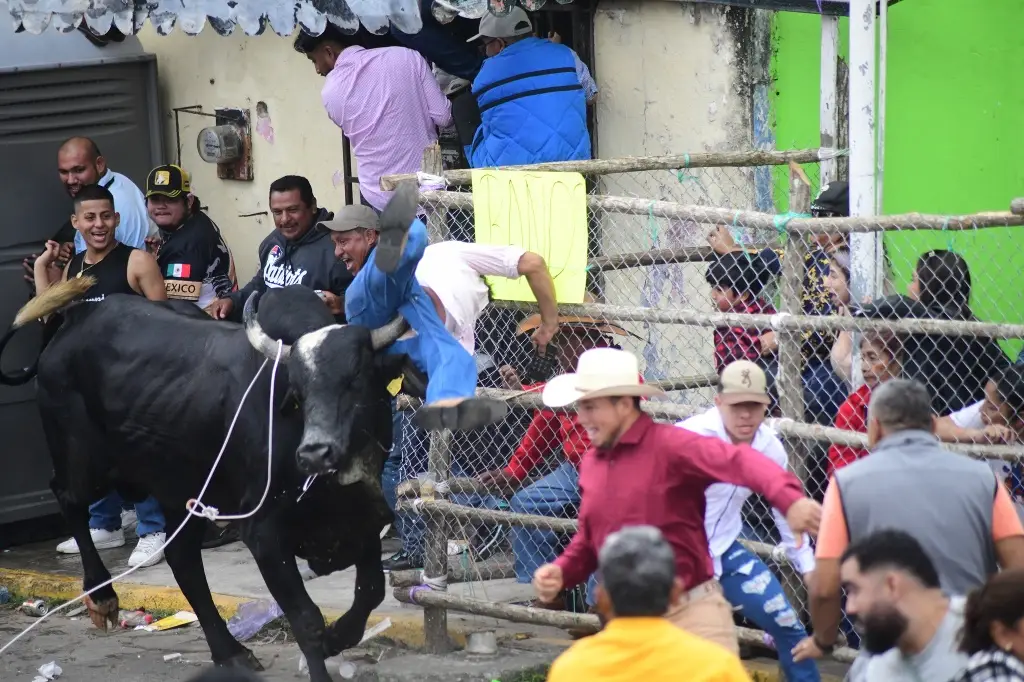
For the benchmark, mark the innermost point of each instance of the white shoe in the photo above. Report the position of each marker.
(146, 552)
(103, 539)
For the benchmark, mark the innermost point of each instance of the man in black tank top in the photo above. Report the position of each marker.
(118, 269)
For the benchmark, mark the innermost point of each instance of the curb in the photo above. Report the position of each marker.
(405, 630)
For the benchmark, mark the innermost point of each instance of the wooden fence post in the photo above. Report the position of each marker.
(435, 547)
(790, 379)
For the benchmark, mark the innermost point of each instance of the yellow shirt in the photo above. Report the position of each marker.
(646, 650)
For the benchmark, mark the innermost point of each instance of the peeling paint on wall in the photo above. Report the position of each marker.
(264, 126)
(338, 179)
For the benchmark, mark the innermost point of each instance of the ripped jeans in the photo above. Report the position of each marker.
(749, 584)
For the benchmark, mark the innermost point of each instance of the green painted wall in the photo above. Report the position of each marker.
(954, 129)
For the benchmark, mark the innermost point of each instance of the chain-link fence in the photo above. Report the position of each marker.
(695, 262)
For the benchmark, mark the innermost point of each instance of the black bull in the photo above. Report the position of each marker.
(138, 396)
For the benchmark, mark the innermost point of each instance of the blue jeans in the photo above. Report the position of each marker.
(824, 392)
(750, 585)
(407, 459)
(106, 515)
(554, 495)
(375, 297)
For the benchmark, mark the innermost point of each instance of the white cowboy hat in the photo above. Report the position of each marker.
(601, 372)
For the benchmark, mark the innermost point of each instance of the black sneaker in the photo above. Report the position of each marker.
(402, 561)
(218, 537)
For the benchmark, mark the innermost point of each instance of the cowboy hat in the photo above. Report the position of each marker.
(601, 372)
(585, 321)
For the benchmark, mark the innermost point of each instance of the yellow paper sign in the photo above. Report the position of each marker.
(395, 387)
(541, 212)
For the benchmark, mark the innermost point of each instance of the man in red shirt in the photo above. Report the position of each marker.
(558, 493)
(638, 472)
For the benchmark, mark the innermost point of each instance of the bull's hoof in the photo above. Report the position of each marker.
(243, 659)
(467, 415)
(344, 633)
(103, 611)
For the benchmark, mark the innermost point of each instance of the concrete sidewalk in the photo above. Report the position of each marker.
(38, 571)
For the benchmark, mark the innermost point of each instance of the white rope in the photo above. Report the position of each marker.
(205, 512)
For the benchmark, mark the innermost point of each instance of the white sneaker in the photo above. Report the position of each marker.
(103, 539)
(145, 553)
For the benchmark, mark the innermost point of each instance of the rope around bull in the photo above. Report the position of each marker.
(204, 511)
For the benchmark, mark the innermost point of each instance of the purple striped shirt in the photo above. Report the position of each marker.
(389, 104)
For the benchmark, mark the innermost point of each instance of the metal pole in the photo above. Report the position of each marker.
(829, 113)
(883, 33)
(864, 248)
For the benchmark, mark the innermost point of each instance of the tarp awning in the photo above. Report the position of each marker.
(252, 16)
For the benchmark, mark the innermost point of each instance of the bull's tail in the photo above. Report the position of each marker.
(53, 299)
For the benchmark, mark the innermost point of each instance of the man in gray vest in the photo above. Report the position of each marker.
(952, 505)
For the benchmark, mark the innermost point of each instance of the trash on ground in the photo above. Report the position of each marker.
(171, 657)
(346, 670)
(34, 607)
(5, 595)
(376, 630)
(175, 621)
(50, 671)
(129, 620)
(251, 617)
(76, 612)
(303, 668)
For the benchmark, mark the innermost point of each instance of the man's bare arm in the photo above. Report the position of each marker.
(535, 270)
(144, 276)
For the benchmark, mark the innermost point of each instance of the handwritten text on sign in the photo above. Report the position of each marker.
(542, 212)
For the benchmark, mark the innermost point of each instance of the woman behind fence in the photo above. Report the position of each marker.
(954, 369)
(993, 633)
(748, 584)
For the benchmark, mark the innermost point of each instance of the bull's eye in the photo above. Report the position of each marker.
(290, 403)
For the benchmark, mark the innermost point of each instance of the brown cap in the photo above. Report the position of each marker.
(352, 218)
(743, 382)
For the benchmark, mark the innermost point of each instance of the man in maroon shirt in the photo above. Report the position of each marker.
(638, 472)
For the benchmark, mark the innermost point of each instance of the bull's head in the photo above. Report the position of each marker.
(333, 373)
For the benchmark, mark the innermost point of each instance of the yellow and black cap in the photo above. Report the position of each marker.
(169, 181)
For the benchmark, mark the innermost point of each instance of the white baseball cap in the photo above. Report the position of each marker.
(515, 23)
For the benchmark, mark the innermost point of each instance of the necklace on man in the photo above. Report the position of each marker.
(82, 270)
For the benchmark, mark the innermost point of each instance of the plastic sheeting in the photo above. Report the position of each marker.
(252, 16)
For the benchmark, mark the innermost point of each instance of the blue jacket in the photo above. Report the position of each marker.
(532, 107)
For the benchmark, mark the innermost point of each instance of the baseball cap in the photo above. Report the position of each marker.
(833, 198)
(352, 218)
(743, 382)
(170, 181)
(515, 23)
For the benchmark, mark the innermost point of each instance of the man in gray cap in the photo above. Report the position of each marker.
(532, 98)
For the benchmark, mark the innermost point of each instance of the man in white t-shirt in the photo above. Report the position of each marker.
(999, 418)
(748, 584)
(906, 622)
(452, 273)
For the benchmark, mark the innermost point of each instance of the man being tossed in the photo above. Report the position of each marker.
(638, 472)
(383, 256)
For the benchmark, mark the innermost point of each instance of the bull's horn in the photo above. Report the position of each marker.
(254, 332)
(389, 333)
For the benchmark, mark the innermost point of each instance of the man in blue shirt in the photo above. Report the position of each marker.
(531, 95)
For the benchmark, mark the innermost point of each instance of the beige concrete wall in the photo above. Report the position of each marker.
(239, 71)
(669, 79)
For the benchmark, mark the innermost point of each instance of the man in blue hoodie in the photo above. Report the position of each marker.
(532, 101)
(296, 252)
